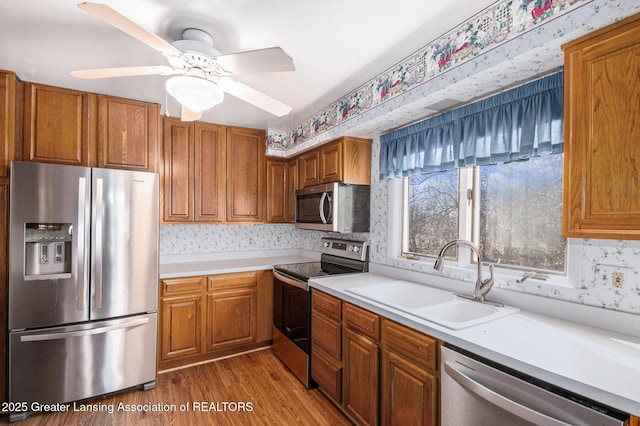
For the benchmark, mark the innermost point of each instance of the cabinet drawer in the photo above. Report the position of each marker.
(327, 373)
(362, 320)
(415, 346)
(173, 286)
(235, 280)
(329, 305)
(327, 334)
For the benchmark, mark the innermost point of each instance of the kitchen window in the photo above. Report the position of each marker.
(512, 211)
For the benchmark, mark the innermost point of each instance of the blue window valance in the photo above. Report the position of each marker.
(513, 125)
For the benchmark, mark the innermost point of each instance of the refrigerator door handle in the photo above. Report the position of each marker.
(81, 256)
(80, 333)
(99, 218)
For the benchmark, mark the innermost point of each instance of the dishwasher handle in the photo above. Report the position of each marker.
(499, 400)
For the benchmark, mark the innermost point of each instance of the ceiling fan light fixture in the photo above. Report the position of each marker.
(195, 93)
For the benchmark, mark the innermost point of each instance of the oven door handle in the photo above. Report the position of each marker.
(290, 280)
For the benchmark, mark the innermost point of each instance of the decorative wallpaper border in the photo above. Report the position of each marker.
(488, 29)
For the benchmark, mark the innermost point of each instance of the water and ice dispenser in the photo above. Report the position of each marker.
(47, 249)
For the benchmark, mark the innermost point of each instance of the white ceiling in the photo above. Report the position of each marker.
(336, 45)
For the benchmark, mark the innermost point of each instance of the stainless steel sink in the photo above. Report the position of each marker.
(431, 304)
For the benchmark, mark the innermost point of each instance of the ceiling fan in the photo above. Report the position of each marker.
(200, 73)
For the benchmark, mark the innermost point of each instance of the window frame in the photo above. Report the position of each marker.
(469, 227)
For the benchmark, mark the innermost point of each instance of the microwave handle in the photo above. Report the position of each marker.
(325, 196)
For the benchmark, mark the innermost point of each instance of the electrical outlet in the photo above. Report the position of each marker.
(617, 279)
(611, 276)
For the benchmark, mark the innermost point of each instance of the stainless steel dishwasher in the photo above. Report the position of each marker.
(477, 393)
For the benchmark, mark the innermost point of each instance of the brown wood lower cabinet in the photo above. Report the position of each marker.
(206, 317)
(634, 421)
(231, 310)
(409, 392)
(361, 374)
(376, 370)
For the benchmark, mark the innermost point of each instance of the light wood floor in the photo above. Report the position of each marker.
(257, 379)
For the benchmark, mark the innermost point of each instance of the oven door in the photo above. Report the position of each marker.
(292, 309)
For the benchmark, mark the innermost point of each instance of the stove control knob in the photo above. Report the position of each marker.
(356, 249)
(326, 244)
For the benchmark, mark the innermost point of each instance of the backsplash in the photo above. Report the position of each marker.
(198, 239)
(195, 239)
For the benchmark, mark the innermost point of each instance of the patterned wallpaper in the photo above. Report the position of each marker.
(499, 23)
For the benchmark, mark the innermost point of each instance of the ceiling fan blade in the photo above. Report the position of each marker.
(188, 115)
(254, 97)
(272, 59)
(122, 72)
(115, 19)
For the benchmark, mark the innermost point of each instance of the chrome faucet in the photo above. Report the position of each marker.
(482, 287)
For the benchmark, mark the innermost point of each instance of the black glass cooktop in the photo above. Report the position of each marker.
(302, 271)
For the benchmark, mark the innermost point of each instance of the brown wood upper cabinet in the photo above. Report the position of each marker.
(293, 183)
(602, 154)
(84, 129)
(246, 183)
(9, 130)
(277, 191)
(127, 134)
(309, 168)
(58, 126)
(347, 160)
(194, 172)
(213, 173)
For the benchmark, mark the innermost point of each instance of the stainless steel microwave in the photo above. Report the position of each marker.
(333, 207)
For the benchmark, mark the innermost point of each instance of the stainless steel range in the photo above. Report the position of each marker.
(292, 299)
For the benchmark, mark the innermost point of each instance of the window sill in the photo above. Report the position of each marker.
(504, 278)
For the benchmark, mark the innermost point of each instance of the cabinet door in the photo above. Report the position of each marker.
(210, 176)
(180, 326)
(57, 126)
(231, 318)
(246, 183)
(178, 179)
(277, 201)
(309, 168)
(408, 394)
(8, 123)
(360, 380)
(331, 165)
(127, 134)
(327, 372)
(292, 187)
(602, 189)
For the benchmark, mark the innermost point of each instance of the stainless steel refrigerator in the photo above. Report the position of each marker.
(83, 271)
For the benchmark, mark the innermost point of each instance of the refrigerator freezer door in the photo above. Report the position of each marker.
(70, 363)
(49, 229)
(125, 226)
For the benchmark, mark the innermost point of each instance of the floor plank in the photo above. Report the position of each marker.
(250, 389)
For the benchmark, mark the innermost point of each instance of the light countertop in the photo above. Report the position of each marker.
(175, 266)
(598, 364)
(595, 363)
